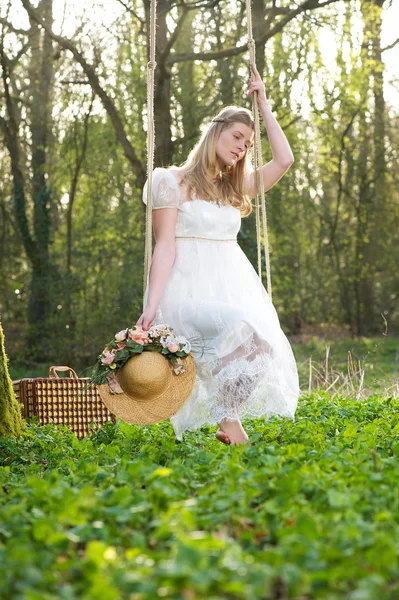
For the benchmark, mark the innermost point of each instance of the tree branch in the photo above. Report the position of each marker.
(10, 132)
(93, 78)
(11, 62)
(307, 5)
(173, 37)
(196, 5)
(390, 46)
(131, 11)
(11, 27)
(80, 157)
(75, 82)
(340, 183)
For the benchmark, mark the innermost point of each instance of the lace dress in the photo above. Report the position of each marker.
(214, 297)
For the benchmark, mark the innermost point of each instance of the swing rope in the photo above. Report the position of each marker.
(260, 202)
(151, 65)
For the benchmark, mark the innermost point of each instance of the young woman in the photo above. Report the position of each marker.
(202, 284)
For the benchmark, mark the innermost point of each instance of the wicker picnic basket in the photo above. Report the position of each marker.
(62, 401)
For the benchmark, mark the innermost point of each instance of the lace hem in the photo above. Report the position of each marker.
(243, 388)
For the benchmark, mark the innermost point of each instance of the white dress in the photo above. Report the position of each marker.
(214, 298)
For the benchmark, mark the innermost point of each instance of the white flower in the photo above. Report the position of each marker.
(165, 340)
(158, 327)
(180, 339)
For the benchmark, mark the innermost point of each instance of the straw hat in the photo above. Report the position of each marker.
(150, 390)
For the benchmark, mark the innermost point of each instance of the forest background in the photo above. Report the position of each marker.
(73, 158)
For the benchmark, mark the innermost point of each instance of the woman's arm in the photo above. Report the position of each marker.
(281, 150)
(163, 258)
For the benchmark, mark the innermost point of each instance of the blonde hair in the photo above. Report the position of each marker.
(198, 171)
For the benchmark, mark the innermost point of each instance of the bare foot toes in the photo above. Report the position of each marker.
(222, 437)
(235, 432)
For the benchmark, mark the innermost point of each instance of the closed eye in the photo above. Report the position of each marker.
(246, 145)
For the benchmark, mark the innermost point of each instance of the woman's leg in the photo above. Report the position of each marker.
(236, 391)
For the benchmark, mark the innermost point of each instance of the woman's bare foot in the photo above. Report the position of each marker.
(234, 430)
(222, 437)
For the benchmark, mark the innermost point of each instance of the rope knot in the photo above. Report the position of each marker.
(251, 43)
(151, 64)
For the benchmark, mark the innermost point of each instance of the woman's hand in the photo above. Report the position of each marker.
(146, 319)
(256, 85)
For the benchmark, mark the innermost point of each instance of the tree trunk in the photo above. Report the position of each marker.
(258, 30)
(163, 154)
(379, 158)
(226, 87)
(42, 289)
(188, 93)
(11, 422)
(366, 207)
(371, 168)
(36, 239)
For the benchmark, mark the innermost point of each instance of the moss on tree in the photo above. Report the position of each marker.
(11, 421)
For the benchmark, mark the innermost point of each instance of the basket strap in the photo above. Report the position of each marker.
(52, 372)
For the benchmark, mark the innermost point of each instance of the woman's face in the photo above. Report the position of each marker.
(232, 144)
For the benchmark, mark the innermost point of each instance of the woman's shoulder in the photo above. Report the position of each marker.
(170, 173)
(166, 191)
(170, 169)
(173, 171)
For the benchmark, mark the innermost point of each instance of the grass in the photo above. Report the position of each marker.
(371, 364)
(308, 511)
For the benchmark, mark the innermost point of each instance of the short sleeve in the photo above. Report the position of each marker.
(165, 190)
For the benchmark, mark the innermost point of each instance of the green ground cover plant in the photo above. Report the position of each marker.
(309, 510)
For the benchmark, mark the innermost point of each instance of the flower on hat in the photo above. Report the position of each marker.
(139, 336)
(121, 335)
(173, 347)
(107, 358)
(165, 340)
(131, 341)
(186, 344)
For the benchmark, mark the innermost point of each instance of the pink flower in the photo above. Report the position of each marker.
(120, 336)
(121, 345)
(139, 336)
(173, 347)
(107, 358)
